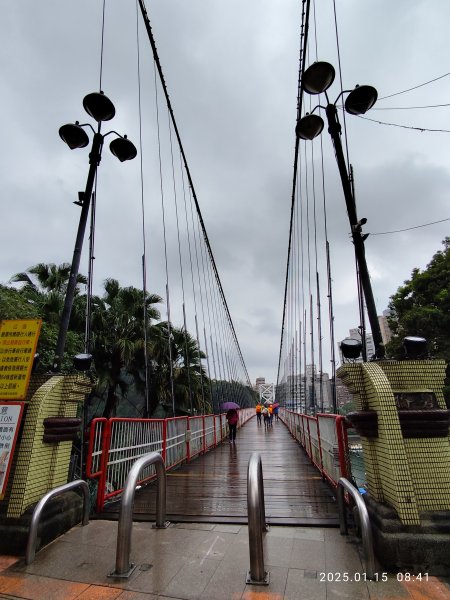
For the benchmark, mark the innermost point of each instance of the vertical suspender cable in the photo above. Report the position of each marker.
(144, 255)
(186, 358)
(304, 35)
(208, 246)
(169, 326)
(193, 288)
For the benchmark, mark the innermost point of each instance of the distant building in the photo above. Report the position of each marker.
(307, 394)
(386, 333)
(259, 381)
(343, 395)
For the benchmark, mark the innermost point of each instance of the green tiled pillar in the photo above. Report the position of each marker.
(410, 474)
(40, 466)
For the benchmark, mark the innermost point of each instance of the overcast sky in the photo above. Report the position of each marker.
(231, 71)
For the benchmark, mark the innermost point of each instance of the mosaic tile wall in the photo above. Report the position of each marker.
(41, 466)
(429, 459)
(412, 475)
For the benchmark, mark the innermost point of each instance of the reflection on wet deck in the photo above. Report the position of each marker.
(213, 487)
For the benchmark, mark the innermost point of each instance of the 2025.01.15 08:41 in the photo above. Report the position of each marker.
(355, 577)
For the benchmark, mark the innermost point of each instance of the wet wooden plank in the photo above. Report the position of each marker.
(213, 487)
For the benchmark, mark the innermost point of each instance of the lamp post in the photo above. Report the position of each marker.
(100, 108)
(316, 80)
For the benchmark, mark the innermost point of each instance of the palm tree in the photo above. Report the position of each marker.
(118, 338)
(178, 377)
(45, 287)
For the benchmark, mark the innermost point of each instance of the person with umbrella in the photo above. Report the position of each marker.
(232, 418)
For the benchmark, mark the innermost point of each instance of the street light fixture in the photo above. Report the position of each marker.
(100, 108)
(316, 80)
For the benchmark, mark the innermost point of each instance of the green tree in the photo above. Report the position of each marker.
(44, 285)
(118, 339)
(182, 364)
(232, 391)
(422, 307)
(15, 305)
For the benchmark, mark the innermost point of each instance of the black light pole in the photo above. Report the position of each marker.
(98, 106)
(317, 79)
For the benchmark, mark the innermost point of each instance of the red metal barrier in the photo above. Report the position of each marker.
(115, 444)
(299, 426)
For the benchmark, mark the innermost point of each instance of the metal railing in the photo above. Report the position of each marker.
(324, 439)
(114, 445)
(364, 521)
(123, 566)
(37, 512)
(256, 521)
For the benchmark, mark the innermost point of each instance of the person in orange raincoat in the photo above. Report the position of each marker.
(258, 412)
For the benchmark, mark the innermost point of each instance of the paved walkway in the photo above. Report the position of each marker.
(206, 562)
(213, 487)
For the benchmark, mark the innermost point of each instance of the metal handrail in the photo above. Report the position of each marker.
(256, 521)
(123, 566)
(366, 530)
(37, 512)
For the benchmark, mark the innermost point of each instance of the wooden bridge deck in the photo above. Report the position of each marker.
(213, 487)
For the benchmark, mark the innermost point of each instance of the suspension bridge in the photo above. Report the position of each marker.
(190, 362)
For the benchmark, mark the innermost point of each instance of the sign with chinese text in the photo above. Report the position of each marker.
(10, 417)
(18, 341)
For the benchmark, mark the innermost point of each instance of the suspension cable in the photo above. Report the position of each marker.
(303, 36)
(144, 252)
(169, 325)
(191, 184)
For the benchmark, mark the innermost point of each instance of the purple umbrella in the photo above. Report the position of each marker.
(229, 405)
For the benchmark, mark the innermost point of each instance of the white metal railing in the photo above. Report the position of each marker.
(324, 439)
(176, 448)
(115, 444)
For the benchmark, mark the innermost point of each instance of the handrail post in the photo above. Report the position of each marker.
(32, 535)
(256, 521)
(366, 530)
(123, 566)
(106, 446)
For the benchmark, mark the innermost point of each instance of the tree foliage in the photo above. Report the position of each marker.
(17, 305)
(134, 354)
(421, 307)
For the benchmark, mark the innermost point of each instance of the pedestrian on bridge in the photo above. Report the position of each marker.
(232, 418)
(275, 412)
(265, 414)
(258, 412)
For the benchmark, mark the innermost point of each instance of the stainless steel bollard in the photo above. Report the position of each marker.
(123, 566)
(256, 521)
(366, 530)
(32, 536)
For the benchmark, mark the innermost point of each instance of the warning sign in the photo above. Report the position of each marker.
(10, 417)
(18, 341)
